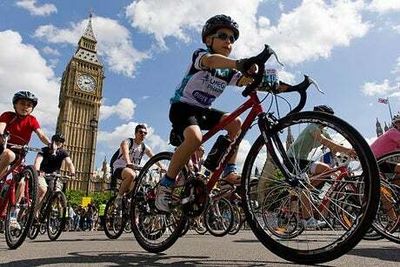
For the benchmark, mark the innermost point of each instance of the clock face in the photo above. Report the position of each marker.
(86, 83)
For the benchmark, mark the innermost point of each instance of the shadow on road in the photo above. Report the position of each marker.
(136, 258)
(383, 253)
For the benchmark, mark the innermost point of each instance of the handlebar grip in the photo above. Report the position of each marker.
(301, 88)
(260, 60)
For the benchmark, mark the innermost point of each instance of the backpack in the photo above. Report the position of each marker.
(113, 183)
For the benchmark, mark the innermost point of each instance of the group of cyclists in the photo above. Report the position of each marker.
(210, 71)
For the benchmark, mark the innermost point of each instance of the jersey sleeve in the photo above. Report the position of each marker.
(6, 117)
(42, 151)
(34, 123)
(196, 59)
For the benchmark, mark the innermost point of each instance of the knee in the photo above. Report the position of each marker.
(193, 136)
(8, 155)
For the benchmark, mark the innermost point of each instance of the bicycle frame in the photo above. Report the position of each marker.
(252, 103)
(17, 167)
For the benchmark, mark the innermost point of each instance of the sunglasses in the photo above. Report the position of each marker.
(224, 36)
(142, 132)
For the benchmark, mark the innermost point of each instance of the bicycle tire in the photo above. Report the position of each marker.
(200, 228)
(221, 223)
(185, 229)
(43, 228)
(237, 221)
(56, 216)
(33, 232)
(26, 212)
(154, 231)
(386, 226)
(309, 252)
(114, 222)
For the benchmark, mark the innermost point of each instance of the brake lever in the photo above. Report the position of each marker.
(314, 82)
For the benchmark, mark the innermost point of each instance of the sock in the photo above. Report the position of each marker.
(167, 181)
(230, 167)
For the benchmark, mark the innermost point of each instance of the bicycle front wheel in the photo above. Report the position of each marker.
(114, 221)
(19, 217)
(322, 225)
(153, 230)
(56, 212)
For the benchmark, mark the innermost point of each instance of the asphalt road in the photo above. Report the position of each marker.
(95, 249)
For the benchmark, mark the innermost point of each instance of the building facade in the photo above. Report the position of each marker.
(79, 103)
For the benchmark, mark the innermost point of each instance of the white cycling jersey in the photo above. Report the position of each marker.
(201, 86)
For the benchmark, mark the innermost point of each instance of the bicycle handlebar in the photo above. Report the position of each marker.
(300, 88)
(260, 60)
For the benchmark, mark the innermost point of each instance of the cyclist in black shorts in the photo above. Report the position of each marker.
(126, 165)
(50, 160)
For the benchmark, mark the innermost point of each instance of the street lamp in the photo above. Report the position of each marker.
(93, 125)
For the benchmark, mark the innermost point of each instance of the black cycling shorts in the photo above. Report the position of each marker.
(183, 115)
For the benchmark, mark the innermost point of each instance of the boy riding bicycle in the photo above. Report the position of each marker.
(49, 161)
(19, 124)
(210, 71)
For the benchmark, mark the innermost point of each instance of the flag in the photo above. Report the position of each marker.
(383, 100)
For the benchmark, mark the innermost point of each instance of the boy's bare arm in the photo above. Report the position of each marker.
(214, 61)
(43, 137)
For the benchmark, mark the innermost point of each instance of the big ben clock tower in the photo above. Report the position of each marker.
(79, 102)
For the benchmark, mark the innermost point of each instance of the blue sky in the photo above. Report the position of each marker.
(350, 47)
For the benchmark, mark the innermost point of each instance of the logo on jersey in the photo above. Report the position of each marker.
(203, 98)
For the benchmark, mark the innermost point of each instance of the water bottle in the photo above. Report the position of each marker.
(217, 152)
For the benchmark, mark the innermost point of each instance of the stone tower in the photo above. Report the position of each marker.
(379, 130)
(79, 103)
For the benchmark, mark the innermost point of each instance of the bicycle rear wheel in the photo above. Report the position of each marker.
(114, 221)
(19, 217)
(300, 196)
(154, 231)
(56, 213)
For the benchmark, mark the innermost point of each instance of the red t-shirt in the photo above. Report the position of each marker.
(20, 128)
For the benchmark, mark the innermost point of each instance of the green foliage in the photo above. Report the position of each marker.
(74, 197)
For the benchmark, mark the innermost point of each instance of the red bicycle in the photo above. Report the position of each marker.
(156, 231)
(17, 214)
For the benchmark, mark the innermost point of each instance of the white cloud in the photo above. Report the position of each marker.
(376, 89)
(115, 43)
(307, 32)
(384, 6)
(125, 110)
(36, 10)
(113, 139)
(50, 51)
(23, 68)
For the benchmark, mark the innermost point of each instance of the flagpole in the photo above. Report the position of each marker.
(390, 109)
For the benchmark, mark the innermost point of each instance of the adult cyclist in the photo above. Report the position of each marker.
(126, 165)
(49, 160)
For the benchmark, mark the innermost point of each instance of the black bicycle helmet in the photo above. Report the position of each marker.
(218, 22)
(324, 108)
(25, 95)
(58, 138)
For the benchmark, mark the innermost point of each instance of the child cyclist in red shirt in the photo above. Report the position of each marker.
(211, 70)
(20, 124)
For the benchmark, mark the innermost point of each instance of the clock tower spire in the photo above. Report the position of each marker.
(79, 102)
